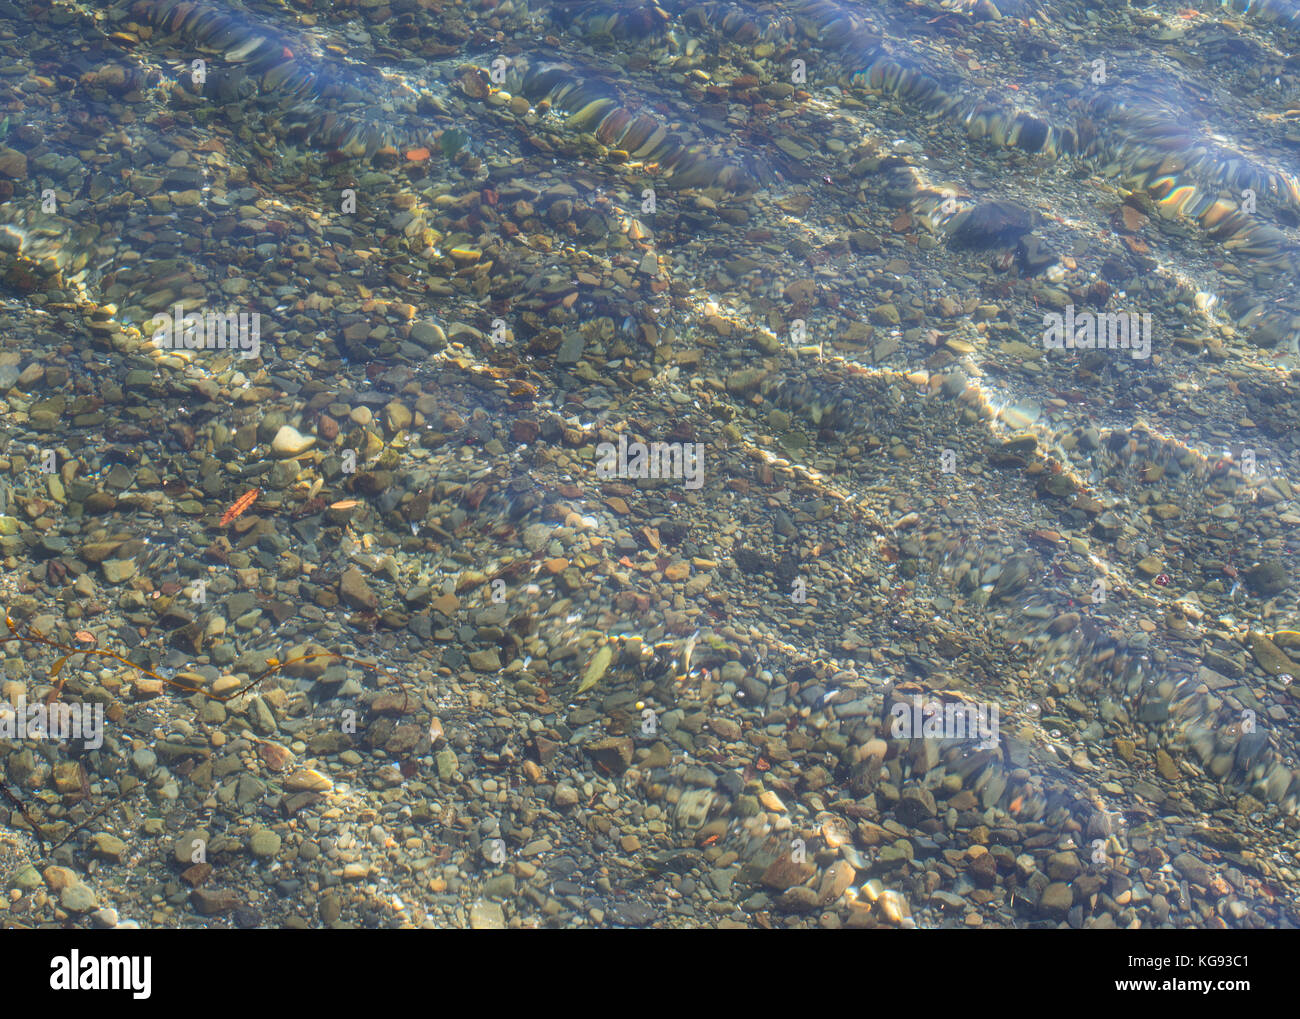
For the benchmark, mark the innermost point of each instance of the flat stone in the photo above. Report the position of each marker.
(214, 901)
(745, 381)
(264, 843)
(118, 571)
(307, 780)
(26, 878)
(487, 916)
(571, 349)
(429, 336)
(1057, 899)
(1194, 869)
(78, 898)
(1271, 658)
(107, 846)
(355, 592)
(190, 846)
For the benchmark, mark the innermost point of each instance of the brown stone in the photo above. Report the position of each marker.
(614, 753)
(1057, 899)
(13, 164)
(394, 702)
(59, 878)
(196, 875)
(984, 870)
(355, 592)
(524, 431)
(797, 900)
(786, 872)
(214, 901)
(1063, 866)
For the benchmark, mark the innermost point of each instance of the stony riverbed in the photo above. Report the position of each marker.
(818, 244)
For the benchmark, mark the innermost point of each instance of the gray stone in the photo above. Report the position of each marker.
(500, 886)
(733, 672)
(78, 898)
(264, 843)
(110, 847)
(429, 336)
(1195, 870)
(571, 349)
(184, 849)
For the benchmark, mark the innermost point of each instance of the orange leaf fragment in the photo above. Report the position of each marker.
(239, 505)
(417, 155)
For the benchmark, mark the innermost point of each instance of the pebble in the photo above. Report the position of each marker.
(264, 843)
(214, 901)
(78, 898)
(487, 916)
(109, 847)
(355, 591)
(289, 442)
(308, 780)
(1056, 900)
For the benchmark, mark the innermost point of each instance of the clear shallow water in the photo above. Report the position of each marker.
(938, 181)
